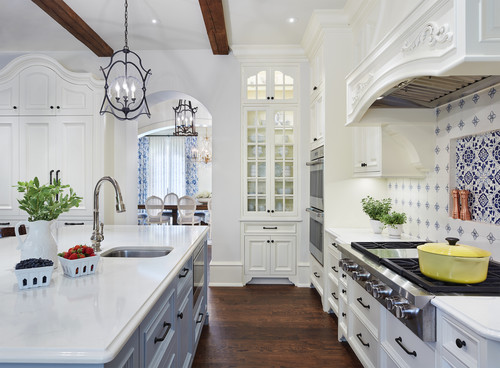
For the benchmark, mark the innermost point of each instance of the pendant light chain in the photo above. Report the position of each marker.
(126, 24)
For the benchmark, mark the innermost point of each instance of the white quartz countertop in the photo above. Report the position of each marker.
(88, 319)
(348, 235)
(477, 313)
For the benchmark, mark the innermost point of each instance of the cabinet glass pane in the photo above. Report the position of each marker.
(278, 169)
(283, 86)
(261, 204)
(262, 170)
(251, 151)
(251, 204)
(289, 204)
(251, 169)
(289, 187)
(261, 186)
(251, 187)
(278, 204)
(256, 86)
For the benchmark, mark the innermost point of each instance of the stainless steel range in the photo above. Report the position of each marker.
(390, 272)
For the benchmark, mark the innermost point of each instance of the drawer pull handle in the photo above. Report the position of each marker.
(344, 275)
(335, 297)
(344, 291)
(360, 300)
(399, 340)
(270, 227)
(200, 318)
(334, 269)
(460, 343)
(185, 272)
(343, 314)
(316, 274)
(335, 245)
(160, 339)
(359, 336)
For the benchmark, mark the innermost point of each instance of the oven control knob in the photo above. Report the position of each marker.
(392, 301)
(369, 285)
(381, 291)
(406, 311)
(350, 266)
(360, 274)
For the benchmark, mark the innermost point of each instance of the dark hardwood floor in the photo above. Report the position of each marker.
(270, 326)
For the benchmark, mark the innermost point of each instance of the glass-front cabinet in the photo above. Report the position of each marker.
(270, 84)
(270, 161)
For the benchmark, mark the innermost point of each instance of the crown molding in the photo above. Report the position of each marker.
(293, 53)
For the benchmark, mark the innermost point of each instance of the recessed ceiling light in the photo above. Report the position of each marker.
(292, 20)
(154, 21)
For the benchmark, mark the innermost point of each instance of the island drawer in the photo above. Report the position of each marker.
(157, 331)
(185, 277)
(461, 344)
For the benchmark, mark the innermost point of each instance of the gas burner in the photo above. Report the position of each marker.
(409, 268)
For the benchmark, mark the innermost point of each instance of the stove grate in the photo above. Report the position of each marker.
(409, 269)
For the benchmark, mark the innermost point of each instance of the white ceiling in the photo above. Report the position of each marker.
(25, 27)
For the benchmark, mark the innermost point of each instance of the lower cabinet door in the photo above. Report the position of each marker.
(363, 342)
(184, 330)
(128, 357)
(257, 255)
(283, 255)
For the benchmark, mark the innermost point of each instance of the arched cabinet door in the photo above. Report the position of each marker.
(270, 84)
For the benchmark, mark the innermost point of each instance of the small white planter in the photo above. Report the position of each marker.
(377, 226)
(395, 230)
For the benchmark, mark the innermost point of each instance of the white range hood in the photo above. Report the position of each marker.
(448, 45)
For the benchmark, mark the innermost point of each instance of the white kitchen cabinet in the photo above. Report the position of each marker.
(273, 84)
(43, 92)
(317, 122)
(37, 139)
(332, 290)
(317, 278)
(9, 96)
(270, 161)
(129, 355)
(269, 250)
(9, 165)
(58, 147)
(367, 150)
(317, 71)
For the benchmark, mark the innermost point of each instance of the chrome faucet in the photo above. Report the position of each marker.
(98, 233)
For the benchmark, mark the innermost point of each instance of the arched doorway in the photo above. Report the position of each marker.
(167, 163)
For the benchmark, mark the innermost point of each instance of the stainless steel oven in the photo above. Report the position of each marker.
(198, 272)
(316, 167)
(316, 233)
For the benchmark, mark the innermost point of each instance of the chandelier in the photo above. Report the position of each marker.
(204, 154)
(185, 115)
(125, 83)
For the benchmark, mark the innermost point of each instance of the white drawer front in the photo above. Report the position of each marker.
(333, 293)
(333, 265)
(317, 278)
(460, 343)
(342, 319)
(366, 306)
(404, 345)
(263, 228)
(363, 342)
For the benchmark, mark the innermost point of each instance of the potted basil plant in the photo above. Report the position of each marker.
(394, 222)
(375, 209)
(43, 204)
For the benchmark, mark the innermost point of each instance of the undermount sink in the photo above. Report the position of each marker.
(136, 252)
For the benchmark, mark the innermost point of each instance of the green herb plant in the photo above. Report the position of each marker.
(376, 208)
(40, 202)
(394, 218)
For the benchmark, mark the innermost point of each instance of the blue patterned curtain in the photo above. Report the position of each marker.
(191, 168)
(142, 175)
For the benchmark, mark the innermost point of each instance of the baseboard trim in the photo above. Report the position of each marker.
(226, 274)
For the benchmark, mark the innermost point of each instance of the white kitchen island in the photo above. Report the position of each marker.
(89, 319)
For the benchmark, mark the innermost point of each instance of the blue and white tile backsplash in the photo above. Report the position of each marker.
(467, 156)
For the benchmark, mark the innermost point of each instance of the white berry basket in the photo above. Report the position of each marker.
(79, 267)
(28, 278)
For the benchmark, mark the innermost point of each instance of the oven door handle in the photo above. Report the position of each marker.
(315, 212)
(315, 162)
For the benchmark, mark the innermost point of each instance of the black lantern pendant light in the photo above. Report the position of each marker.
(125, 83)
(185, 115)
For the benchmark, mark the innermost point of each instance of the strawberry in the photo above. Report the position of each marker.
(81, 255)
(73, 256)
(89, 252)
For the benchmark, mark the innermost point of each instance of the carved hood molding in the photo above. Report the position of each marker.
(443, 50)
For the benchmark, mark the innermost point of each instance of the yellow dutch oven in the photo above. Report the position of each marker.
(453, 262)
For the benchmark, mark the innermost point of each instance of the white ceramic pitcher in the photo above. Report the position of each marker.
(39, 242)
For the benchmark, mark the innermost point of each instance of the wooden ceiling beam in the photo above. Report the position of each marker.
(213, 15)
(66, 17)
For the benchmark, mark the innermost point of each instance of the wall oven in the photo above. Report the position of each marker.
(316, 204)
(316, 167)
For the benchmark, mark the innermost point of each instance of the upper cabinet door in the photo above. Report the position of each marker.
(9, 165)
(270, 84)
(38, 86)
(43, 92)
(9, 97)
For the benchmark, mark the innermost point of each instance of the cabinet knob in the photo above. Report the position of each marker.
(180, 315)
(460, 343)
(272, 211)
(272, 97)
(268, 241)
(268, 97)
(268, 211)
(315, 88)
(315, 139)
(343, 314)
(364, 164)
(272, 241)
(14, 107)
(58, 107)
(52, 107)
